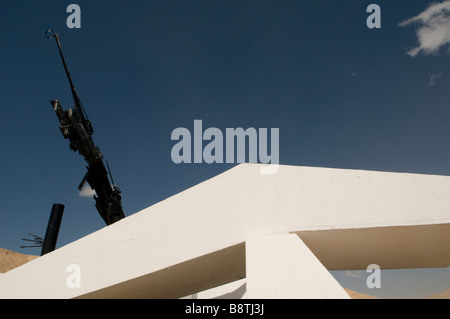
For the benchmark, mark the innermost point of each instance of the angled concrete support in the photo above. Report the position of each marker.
(282, 266)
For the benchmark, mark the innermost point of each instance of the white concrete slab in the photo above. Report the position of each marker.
(233, 290)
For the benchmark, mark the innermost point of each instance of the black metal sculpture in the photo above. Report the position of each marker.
(76, 127)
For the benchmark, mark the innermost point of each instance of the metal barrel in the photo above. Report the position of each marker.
(51, 236)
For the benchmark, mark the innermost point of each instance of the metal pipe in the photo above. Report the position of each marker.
(51, 236)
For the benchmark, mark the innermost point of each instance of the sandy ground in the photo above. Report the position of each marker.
(442, 295)
(357, 295)
(10, 260)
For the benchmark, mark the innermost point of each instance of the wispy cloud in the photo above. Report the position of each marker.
(433, 30)
(433, 78)
(86, 191)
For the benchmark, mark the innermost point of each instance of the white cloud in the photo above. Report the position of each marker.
(433, 28)
(87, 191)
(433, 78)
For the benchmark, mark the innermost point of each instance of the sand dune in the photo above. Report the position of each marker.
(10, 260)
(357, 295)
(442, 295)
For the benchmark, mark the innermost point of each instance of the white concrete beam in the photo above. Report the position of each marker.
(395, 247)
(283, 267)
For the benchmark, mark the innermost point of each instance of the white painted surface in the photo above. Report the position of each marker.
(283, 267)
(194, 240)
(233, 290)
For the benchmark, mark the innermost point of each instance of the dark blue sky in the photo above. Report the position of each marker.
(342, 95)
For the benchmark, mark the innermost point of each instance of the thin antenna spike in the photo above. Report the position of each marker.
(36, 236)
(38, 241)
(110, 175)
(32, 240)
